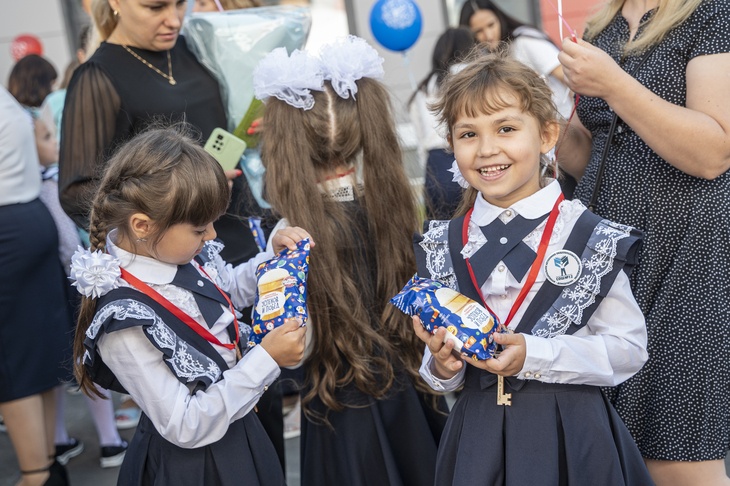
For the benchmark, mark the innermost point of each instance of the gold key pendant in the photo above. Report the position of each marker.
(502, 397)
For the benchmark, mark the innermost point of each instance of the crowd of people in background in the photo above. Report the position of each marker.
(609, 152)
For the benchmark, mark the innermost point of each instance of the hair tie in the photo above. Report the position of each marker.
(291, 78)
(458, 176)
(350, 59)
(288, 78)
(94, 273)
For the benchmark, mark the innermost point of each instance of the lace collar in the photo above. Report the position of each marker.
(340, 189)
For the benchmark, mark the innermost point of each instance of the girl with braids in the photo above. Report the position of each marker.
(158, 318)
(552, 272)
(329, 131)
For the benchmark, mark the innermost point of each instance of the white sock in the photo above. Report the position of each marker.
(61, 436)
(102, 411)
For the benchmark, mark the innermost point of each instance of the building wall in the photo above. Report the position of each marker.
(575, 12)
(41, 18)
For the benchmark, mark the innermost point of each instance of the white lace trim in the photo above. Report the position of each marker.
(438, 259)
(186, 362)
(583, 294)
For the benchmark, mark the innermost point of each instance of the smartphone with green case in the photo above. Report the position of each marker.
(225, 147)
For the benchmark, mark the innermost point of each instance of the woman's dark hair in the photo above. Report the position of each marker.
(507, 23)
(31, 80)
(451, 47)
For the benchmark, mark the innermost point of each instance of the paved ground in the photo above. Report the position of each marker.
(84, 470)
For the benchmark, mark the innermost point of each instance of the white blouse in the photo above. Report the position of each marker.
(20, 177)
(608, 350)
(187, 420)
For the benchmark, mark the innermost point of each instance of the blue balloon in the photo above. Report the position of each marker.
(396, 24)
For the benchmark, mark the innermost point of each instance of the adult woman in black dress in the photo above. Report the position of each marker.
(666, 172)
(142, 72)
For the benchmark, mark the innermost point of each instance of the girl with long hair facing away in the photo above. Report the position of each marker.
(330, 132)
(158, 318)
(552, 272)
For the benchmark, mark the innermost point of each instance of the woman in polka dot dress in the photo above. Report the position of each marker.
(665, 173)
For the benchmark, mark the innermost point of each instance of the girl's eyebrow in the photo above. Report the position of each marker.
(507, 119)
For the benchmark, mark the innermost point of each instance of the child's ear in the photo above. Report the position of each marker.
(550, 136)
(141, 225)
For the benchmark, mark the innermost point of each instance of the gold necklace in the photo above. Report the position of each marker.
(168, 77)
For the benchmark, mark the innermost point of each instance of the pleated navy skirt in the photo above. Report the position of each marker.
(243, 456)
(35, 322)
(551, 435)
(388, 442)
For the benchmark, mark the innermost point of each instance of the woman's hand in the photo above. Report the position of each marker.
(256, 127)
(289, 237)
(232, 174)
(511, 360)
(285, 344)
(589, 71)
(446, 363)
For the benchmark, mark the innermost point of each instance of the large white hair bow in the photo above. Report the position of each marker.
(347, 60)
(94, 274)
(288, 78)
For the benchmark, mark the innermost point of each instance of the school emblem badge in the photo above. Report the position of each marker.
(563, 268)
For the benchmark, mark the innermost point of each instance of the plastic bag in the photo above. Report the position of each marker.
(230, 44)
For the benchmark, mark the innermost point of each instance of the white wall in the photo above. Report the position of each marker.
(401, 72)
(41, 18)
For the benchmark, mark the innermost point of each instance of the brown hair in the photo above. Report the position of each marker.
(352, 344)
(237, 4)
(161, 173)
(104, 19)
(484, 86)
(669, 15)
(31, 80)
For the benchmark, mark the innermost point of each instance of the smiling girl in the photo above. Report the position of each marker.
(555, 274)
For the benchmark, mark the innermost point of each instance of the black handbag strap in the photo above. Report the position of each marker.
(607, 146)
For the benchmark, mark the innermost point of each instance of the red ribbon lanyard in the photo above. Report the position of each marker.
(192, 323)
(534, 269)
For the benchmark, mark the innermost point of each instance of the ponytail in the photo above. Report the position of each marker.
(104, 19)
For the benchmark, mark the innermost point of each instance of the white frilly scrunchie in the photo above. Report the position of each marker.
(458, 176)
(288, 78)
(347, 60)
(94, 274)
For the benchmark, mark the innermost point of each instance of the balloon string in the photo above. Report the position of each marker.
(218, 4)
(407, 64)
(559, 11)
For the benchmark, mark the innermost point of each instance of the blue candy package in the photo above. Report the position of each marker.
(470, 326)
(282, 291)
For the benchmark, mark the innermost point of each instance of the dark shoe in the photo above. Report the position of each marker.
(113, 456)
(64, 452)
(59, 475)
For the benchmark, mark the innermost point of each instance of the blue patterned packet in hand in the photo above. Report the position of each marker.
(469, 324)
(282, 291)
